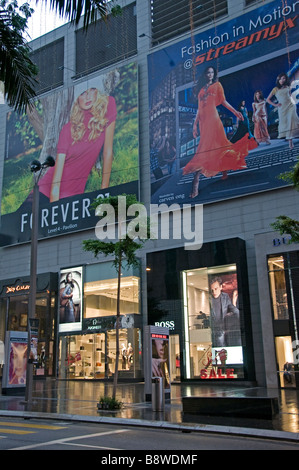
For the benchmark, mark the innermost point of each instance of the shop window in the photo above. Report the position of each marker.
(278, 288)
(101, 297)
(92, 356)
(213, 342)
(18, 319)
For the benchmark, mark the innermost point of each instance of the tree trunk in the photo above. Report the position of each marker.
(56, 113)
(115, 379)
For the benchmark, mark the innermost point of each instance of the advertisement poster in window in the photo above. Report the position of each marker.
(70, 300)
(91, 130)
(15, 364)
(226, 351)
(223, 114)
(160, 358)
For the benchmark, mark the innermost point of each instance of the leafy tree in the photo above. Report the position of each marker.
(284, 224)
(17, 71)
(123, 251)
(72, 10)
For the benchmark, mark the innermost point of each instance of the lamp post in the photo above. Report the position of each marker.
(37, 169)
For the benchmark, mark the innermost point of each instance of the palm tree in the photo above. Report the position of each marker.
(73, 10)
(17, 71)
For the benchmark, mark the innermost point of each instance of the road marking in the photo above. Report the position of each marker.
(68, 439)
(26, 425)
(89, 446)
(16, 431)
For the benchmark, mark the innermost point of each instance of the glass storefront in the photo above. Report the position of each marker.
(283, 271)
(92, 356)
(202, 297)
(212, 323)
(87, 345)
(14, 317)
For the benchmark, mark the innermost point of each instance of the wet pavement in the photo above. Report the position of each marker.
(77, 400)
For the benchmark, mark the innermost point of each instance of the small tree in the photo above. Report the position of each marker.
(123, 252)
(284, 224)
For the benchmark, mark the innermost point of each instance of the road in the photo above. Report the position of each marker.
(112, 440)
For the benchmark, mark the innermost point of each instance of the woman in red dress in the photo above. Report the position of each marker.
(215, 153)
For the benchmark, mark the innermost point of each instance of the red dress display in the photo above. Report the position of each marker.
(215, 153)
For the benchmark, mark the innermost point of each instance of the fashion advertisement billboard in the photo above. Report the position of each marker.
(70, 300)
(223, 114)
(15, 364)
(91, 130)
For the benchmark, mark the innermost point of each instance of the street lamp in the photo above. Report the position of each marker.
(37, 168)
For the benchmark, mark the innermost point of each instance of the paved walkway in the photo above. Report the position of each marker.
(77, 401)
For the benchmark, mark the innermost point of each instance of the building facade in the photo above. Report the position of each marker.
(216, 275)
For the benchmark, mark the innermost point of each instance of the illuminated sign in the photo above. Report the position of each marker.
(217, 374)
(157, 336)
(19, 288)
(166, 324)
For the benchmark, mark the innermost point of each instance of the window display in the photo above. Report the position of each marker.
(278, 288)
(212, 323)
(92, 356)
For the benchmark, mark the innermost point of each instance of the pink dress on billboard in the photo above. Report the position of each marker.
(80, 156)
(215, 153)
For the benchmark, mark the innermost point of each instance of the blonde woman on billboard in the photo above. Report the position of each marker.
(215, 153)
(260, 118)
(288, 120)
(90, 129)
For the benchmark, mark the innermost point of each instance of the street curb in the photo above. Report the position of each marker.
(207, 428)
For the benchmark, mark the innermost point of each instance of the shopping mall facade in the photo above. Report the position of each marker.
(146, 64)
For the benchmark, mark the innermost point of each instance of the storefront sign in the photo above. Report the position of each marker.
(98, 324)
(95, 325)
(166, 324)
(281, 241)
(18, 288)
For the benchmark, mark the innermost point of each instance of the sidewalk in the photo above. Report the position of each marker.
(77, 401)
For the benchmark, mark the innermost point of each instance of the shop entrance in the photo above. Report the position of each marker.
(284, 354)
(14, 317)
(283, 273)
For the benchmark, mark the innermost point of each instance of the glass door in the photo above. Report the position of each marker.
(284, 355)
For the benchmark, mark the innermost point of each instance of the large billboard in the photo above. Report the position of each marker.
(223, 111)
(91, 130)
